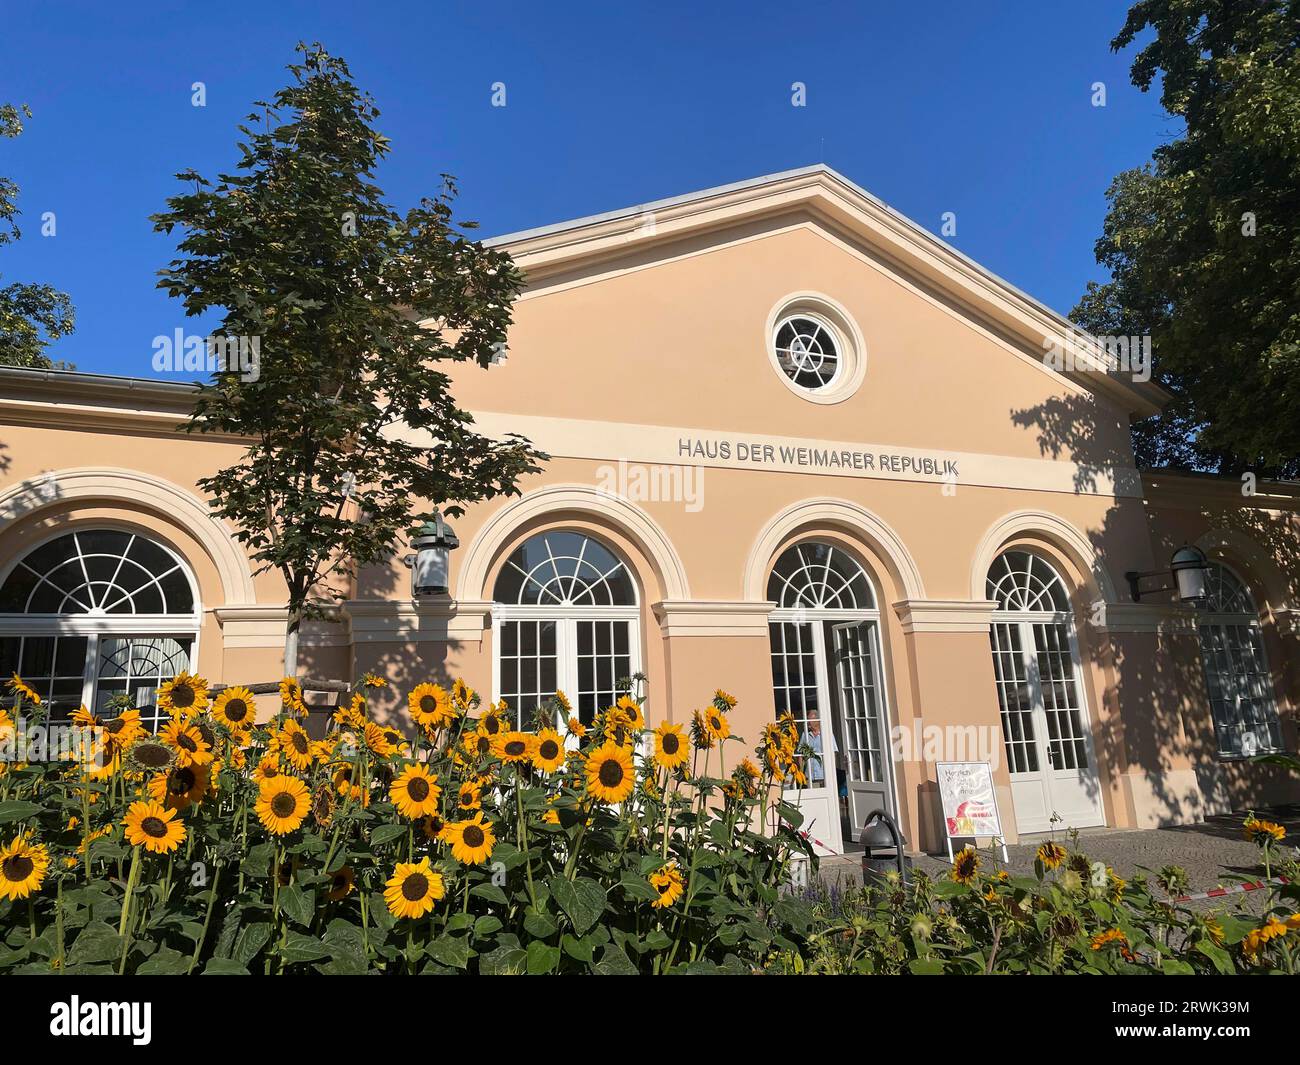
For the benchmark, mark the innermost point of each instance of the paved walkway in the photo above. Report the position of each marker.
(1210, 852)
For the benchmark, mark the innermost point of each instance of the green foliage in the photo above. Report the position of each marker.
(351, 425)
(1077, 917)
(1203, 245)
(569, 885)
(31, 315)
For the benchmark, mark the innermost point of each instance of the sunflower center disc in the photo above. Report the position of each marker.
(428, 704)
(18, 867)
(611, 774)
(414, 887)
(670, 743)
(549, 750)
(154, 826)
(418, 789)
(236, 710)
(473, 836)
(284, 804)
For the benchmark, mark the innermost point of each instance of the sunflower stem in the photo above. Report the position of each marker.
(523, 843)
(207, 919)
(124, 925)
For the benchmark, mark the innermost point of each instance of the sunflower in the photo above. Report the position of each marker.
(669, 883)
(716, 724)
(322, 805)
(371, 680)
(235, 709)
(296, 745)
(154, 827)
(631, 711)
(471, 841)
(1051, 854)
(353, 715)
(513, 746)
(125, 729)
(413, 889)
(430, 706)
(188, 743)
(671, 747)
(548, 751)
(267, 769)
(965, 865)
(184, 695)
(416, 792)
(576, 728)
(430, 827)
(22, 866)
(180, 787)
(470, 795)
(342, 882)
(148, 755)
(291, 696)
(381, 740)
(492, 723)
(610, 776)
(282, 804)
(724, 701)
(461, 693)
(1263, 831)
(20, 687)
(478, 743)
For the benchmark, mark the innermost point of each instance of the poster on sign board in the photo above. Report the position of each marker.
(970, 807)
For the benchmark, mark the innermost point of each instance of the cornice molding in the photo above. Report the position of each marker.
(945, 615)
(712, 617)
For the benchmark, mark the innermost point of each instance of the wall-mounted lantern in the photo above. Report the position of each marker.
(431, 562)
(1187, 566)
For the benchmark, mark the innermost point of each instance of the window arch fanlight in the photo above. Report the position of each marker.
(564, 569)
(1237, 674)
(565, 619)
(95, 614)
(818, 576)
(1021, 580)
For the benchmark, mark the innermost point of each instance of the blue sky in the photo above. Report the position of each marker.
(980, 109)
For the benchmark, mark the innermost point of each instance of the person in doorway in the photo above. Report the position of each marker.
(812, 739)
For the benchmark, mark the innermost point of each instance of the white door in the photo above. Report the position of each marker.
(1048, 743)
(799, 685)
(861, 726)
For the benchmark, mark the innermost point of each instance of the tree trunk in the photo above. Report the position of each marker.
(291, 644)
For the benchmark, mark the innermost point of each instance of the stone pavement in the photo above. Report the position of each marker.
(1210, 851)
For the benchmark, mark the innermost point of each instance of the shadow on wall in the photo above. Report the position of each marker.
(434, 661)
(1157, 718)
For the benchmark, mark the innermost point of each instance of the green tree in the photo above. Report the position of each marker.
(1203, 243)
(351, 425)
(31, 316)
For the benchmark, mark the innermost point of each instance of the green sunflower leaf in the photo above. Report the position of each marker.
(582, 900)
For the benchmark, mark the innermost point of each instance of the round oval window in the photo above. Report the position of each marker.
(807, 352)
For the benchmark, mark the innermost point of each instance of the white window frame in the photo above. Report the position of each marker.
(566, 618)
(96, 625)
(1250, 621)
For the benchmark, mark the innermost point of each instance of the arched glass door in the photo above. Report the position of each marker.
(826, 672)
(1044, 721)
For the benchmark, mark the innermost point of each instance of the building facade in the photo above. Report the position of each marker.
(801, 450)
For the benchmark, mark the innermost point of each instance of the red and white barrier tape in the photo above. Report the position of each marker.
(1235, 889)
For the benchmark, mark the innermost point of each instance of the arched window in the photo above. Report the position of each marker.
(566, 619)
(1044, 720)
(825, 643)
(97, 613)
(1236, 671)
